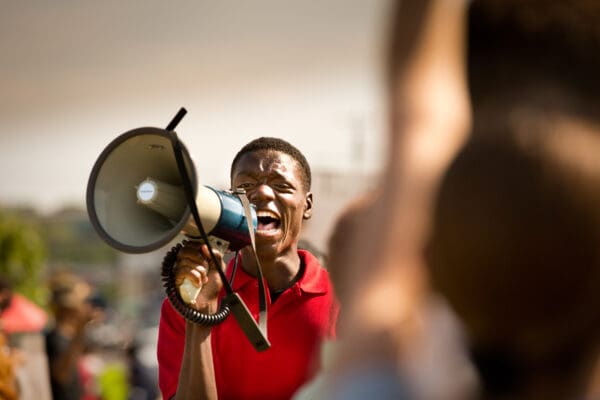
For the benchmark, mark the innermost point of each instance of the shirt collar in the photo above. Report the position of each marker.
(315, 279)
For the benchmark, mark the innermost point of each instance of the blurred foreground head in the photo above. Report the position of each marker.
(516, 226)
(532, 56)
(514, 248)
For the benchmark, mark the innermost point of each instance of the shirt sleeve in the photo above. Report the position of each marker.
(171, 340)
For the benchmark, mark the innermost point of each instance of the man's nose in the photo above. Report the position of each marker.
(261, 191)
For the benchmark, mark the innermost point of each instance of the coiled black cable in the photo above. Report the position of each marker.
(168, 278)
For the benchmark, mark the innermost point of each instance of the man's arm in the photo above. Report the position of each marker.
(184, 348)
(197, 375)
(429, 121)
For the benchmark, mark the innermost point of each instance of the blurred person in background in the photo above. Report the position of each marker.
(142, 385)
(73, 311)
(9, 389)
(22, 324)
(8, 361)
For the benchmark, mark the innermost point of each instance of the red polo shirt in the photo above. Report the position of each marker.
(299, 320)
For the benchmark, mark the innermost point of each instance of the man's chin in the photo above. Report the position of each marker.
(268, 237)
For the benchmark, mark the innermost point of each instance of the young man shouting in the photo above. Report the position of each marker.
(203, 362)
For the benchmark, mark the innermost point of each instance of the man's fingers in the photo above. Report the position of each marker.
(198, 253)
(187, 263)
(198, 274)
(206, 253)
(191, 252)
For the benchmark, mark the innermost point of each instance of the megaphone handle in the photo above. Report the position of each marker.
(187, 290)
(177, 302)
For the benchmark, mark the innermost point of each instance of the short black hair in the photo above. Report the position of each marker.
(280, 145)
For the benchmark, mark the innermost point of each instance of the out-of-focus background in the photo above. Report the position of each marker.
(75, 75)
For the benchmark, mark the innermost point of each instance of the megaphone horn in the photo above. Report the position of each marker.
(136, 201)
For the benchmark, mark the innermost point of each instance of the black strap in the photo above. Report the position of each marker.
(256, 334)
(191, 200)
(262, 296)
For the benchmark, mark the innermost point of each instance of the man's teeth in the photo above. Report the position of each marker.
(267, 221)
(266, 214)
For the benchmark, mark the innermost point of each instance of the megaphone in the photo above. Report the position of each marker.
(143, 191)
(137, 203)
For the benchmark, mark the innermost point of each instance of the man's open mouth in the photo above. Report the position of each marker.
(268, 221)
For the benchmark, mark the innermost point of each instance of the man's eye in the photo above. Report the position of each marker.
(245, 185)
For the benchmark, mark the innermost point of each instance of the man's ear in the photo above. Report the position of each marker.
(308, 206)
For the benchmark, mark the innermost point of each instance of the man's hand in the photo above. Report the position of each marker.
(194, 263)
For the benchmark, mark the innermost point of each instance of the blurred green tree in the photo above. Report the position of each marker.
(72, 240)
(22, 257)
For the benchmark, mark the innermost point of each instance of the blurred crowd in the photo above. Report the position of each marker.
(76, 351)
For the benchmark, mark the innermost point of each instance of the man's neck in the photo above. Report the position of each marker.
(279, 271)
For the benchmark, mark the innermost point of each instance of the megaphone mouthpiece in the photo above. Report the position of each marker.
(167, 200)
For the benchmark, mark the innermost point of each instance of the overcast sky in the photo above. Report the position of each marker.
(76, 74)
